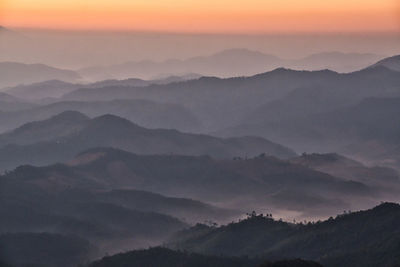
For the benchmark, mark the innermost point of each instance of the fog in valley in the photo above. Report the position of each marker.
(116, 141)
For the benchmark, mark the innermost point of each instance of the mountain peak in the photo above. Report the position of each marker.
(70, 115)
(111, 117)
(65, 118)
(38, 131)
(244, 53)
(113, 121)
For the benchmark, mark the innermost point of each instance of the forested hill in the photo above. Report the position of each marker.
(364, 238)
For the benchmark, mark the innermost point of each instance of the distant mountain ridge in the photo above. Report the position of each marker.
(51, 89)
(43, 89)
(244, 183)
(72, 132)
(344, 167)
(12, 74)
(146, 113)
(4, 97)
(234, 62)
(38, 131)
(366, 127)
(221, 103)
(10, 103)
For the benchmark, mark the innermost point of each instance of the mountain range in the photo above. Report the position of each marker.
(59, 138)
(146, 113)
(107, 200)
(232, 62)
(220, 103)
(301, 109)
(227, 63)
(156, 165)
(85, 215)
(262, 182)
(47, 90)
(102, 202)
(363, 130)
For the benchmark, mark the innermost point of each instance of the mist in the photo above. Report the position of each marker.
(78, 49)
(258, 148)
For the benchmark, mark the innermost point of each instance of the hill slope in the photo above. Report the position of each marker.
(12, 103)
(60, 199)
(368, 121)
(340, 166)
(392, 63)
(12, 73)
(365, 238)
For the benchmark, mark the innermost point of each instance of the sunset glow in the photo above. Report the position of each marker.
(251, 16)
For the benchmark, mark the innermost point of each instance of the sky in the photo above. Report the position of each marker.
(205, 16)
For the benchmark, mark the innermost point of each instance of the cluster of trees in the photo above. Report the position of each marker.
(254, 214)
(260, 156)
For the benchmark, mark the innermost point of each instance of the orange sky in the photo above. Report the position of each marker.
(229, 16)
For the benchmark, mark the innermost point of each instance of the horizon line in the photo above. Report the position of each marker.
(168, 32)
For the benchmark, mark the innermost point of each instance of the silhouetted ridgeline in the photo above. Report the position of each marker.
(365, 238)
(162, 257)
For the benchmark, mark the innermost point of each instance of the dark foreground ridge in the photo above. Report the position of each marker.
(364, 238)
(163, 257)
